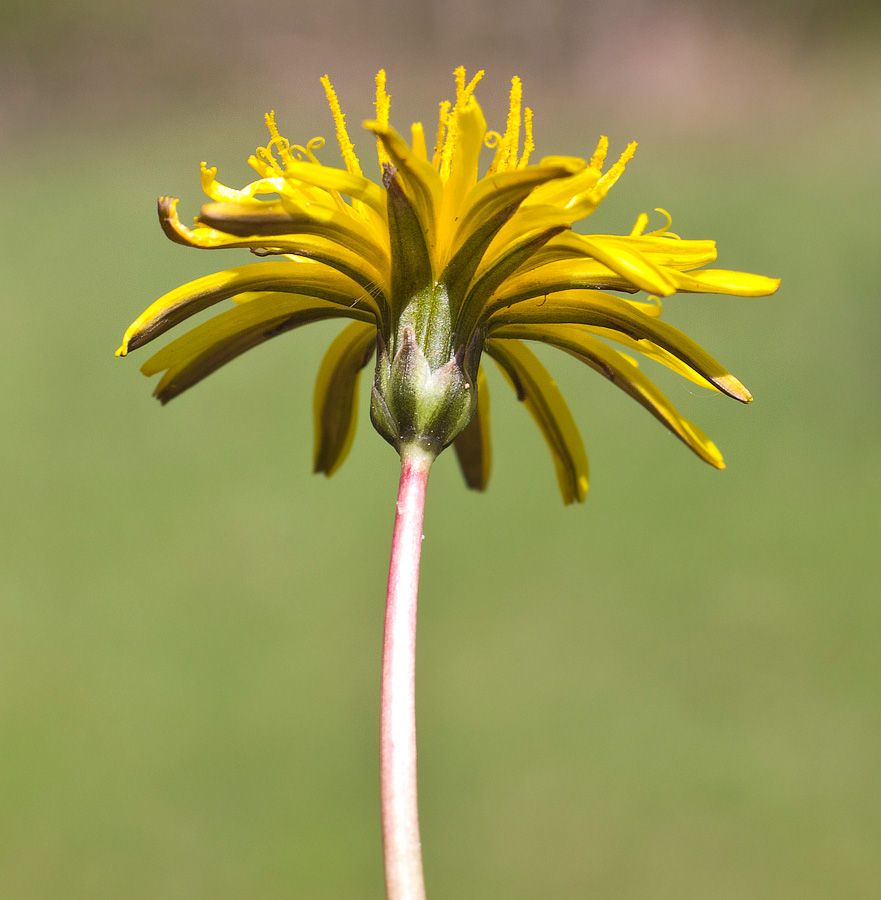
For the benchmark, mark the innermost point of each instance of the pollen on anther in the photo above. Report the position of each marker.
(469, 90)
(615, 171)
(347, 148)
(383, 106)
(599, 155)
(443, 118)
(512, 131)
(528, 143)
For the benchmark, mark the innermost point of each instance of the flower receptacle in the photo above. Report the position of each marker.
(415, 405)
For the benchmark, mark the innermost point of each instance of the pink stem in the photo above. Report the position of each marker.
(397, 750)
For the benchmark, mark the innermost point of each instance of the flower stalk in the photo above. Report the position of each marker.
(402, 849)
(441, 264)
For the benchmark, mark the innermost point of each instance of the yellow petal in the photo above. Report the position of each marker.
(541, 396)
(355, 186)
(221, 193)
(623, 373)
(505, 191)
(526, 218)
(721, 281)
(309, 246)
(206, 348)
(670, 252)
(624, 260)
(335, 406)
(286, 218)
(501, 268)
(587, 272)
(565, 193)
(653, 351)
(470, 132)
(596, 309)
(311, 279)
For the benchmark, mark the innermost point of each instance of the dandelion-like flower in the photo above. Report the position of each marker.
(435, 265)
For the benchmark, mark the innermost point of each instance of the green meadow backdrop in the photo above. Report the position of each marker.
(671, 692)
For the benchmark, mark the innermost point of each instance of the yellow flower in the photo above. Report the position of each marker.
(436, 265)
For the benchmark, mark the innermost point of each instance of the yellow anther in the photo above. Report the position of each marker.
(347, 148)
(492, 139)
(443, 118)
(277, 142)
(599, 155)
(469, 90)
(383, 105)
(460, 83)
(512, 130)
(528, 143)
(615, 172)
(464, 92)
(508, 146)
(419, 147)
(446, 160)
(270, 124)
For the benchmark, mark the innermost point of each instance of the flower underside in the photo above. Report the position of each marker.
(435, 264)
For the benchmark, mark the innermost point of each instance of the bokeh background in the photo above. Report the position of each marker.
(670, 692)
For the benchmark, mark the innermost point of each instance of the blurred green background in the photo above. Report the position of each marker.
(670, 692)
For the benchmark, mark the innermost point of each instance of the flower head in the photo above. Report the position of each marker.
(436, 264)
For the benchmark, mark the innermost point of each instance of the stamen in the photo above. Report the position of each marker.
(639, 227)
(665, 230)
(264, 154)
(347, 148)
(443, 118)
(270, 124)
(383, 104)
(512, 131)
(528, 143)
(314, 144)
(282, 145)
(599, 155)
(446, 160)
(468, 93)
(492, 139)
(459, 74)
(302, 154)
(509, 145)
(419, 147)
(615, 172)
(463, 97)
